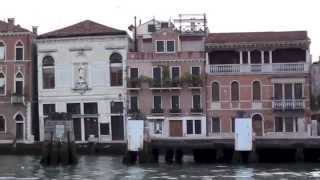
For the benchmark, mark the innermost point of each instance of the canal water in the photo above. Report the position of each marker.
(111, 168)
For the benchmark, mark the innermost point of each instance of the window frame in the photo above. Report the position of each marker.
(218, 118)
(231, 93)
(153, 100)
(5, 83)
(179, 102)
(193, 124)
(284, 128)
(15, 50)
(48, 67)
(108, 129)
(16, 79)
(5, 123)
(200, 101)
(4, 50)
(260, 91)
(213, 99)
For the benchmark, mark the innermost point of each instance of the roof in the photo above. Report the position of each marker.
(256, 37)
(84, 28)
(5, 27)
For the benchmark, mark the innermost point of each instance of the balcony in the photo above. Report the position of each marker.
(165, 56)
(258, 68)
(175, 110)
(157, 111)
(133, 84)
(17, 99)
(196, 110)
(288, 104)
(165, 85)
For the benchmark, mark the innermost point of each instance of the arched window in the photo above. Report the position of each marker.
(256, 91)
(2, 124)
(235, 91)
(215, 91)
(257, 126)
(2, 51)
(19, 84)
(48, 75)
(19, 51)
(255, 57)
(2, 84)
(19, 127)
(115, 58)
(115, 69)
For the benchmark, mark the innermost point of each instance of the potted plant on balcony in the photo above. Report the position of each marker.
(166, 81)
(192, 80)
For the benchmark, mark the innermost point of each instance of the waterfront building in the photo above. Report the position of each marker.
(315, 98)
(261, 75)
(81, 71)
(166, 76)
(16, 83)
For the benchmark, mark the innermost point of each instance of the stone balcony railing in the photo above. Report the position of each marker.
(165, 56)
(17, 99)
(257, 68)
(286, 135)
(288, 104)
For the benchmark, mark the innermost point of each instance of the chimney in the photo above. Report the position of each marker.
(35, 30)
(10, 24)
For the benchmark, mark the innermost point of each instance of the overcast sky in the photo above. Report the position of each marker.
(223, 15)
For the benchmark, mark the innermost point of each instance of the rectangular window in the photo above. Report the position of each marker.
(233, 121)
(189, 126)
(157, 74)
(196, 104)
(278, 124)
(90, 108)
(73, 108)
(19, 88)
(48, 78)
(278, 91)
(104, 129)
(289, 124)
(288, 91)
(170, 46)
(48, 109)
(195, 71)
(134, 73)
(19, 54)
(298, 91)
(175, 104)
(266, 57)
(157, 102)
(151, 28)
(197, 126)
(2, 51)
(2, 84)
(245, 57)
(157, 129)
(175, 73)
(215, 125)
(116, 107)
(160, 46)
(134, 103)
(116, 76)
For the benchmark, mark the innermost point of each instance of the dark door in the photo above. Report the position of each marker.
(19, 131)
(176, 128)
(257, 125)
(77, 129)
(117, 128)
(91, 127)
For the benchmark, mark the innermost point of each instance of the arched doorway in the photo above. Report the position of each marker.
(19, 127)
(257, 121)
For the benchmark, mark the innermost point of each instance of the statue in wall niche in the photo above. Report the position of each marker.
(81, 82)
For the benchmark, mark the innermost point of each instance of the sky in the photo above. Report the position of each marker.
(222, 15)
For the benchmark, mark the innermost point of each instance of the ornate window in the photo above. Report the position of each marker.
(256, 91)
(2, 84)
(48, 74)
(215, 92)
(2, 51)
(19, 84)
(235, 91)
(2, 124)
(19, 51)
(116, 69)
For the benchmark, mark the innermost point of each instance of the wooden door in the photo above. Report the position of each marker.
(117, 128)
(175, 128)
(91, 127)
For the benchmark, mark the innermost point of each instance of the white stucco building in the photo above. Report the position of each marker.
(81, 70)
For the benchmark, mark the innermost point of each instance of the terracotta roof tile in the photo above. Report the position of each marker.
(84, 28)
(5, 27)
(250, 37)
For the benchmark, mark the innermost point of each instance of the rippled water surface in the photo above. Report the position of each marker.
(107, 168)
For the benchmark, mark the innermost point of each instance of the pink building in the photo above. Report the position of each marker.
(166, 76)
(15, 82)
(263, 75)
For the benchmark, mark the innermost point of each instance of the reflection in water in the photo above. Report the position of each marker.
(111, 168)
